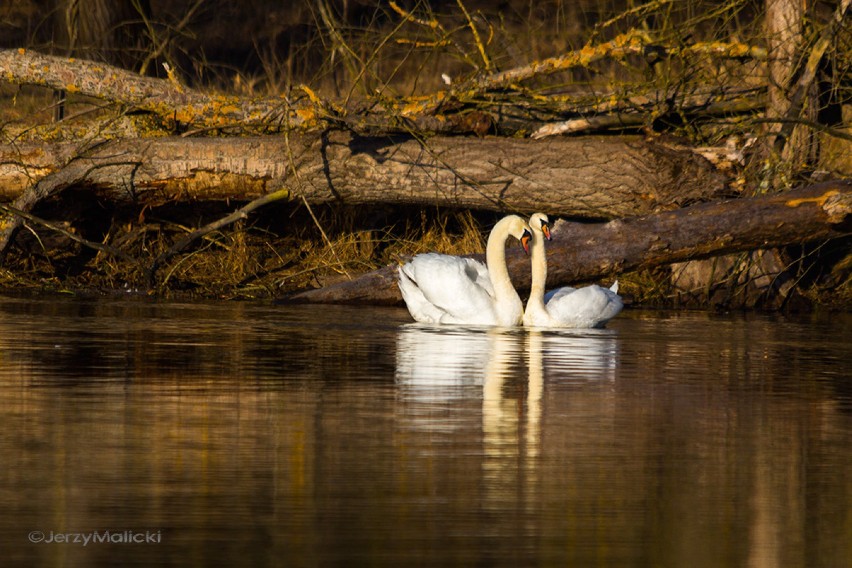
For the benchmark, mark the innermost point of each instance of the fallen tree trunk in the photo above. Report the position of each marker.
(589, 178)
(582, 252)
(593, 177)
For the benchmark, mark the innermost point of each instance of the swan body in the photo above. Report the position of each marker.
(440, 288)
(587, 307)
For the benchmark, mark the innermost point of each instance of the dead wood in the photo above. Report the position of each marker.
(168, 99)
(611, 117)
(583, 252)
(589, 178)
(392, 150)
(442, 112)
(634, 42)
(807, 74)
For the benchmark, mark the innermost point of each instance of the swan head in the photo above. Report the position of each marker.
(540, 222)
(514, 226)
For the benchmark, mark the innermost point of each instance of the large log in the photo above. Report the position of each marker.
(582, 252)
(592, 177)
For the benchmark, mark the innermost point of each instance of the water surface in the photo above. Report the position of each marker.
(266, 435)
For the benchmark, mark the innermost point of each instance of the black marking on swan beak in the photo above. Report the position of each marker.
(525, 241)
(545, 228)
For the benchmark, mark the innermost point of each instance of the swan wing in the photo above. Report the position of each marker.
(439, 288)
(419, 307)
(614, 304)
(559, 292)
(590, 306)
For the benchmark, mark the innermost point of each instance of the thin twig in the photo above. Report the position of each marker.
(158, 50)
(485, 60)
(292, 162)
(641, 9)
(435, 26)
(339, 43)
(370, 59)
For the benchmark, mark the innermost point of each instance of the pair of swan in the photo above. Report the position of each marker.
(439, 288)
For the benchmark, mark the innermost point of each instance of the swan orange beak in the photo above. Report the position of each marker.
(525, 241)
(545, 228)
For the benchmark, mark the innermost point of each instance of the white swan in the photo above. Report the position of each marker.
(590, 306)
(439, 288)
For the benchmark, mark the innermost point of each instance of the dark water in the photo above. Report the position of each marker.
(240, 434)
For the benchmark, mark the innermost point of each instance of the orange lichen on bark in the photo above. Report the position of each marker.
(819, 200)
(415, 106)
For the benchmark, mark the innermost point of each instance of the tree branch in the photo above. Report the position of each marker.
(632, 43)
(181, 245)
(160, 96)
(77, 238)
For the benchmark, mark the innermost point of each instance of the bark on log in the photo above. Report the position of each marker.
(583, 252)
(587, 178)
(166, 98)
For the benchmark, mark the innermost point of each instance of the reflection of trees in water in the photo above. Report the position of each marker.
(89, 342)
(687, 445)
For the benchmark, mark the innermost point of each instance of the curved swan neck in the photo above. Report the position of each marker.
(538, 259)
(495, 258)
(495, 254)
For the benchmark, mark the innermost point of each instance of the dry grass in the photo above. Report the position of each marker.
(253, 259)
(352, 252)
(433, 235)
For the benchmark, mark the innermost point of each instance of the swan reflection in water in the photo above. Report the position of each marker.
(444, 373)
(438, 367)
